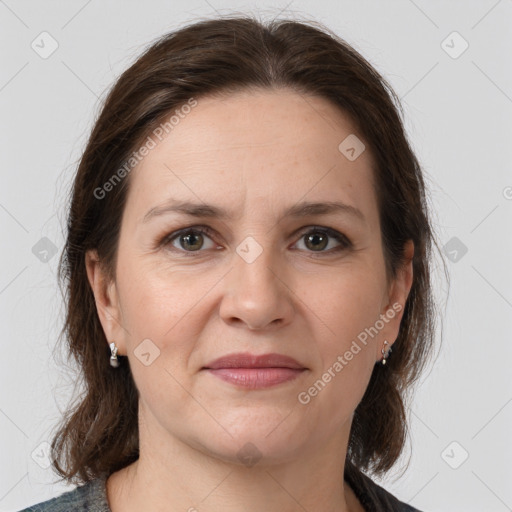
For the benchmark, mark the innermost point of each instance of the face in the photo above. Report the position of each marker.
(267, 276)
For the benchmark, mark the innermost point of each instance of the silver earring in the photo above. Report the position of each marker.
(385, 353)
(113, 355)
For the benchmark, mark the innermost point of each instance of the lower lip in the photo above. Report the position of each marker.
(256, 378)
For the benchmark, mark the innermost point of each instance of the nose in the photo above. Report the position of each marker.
(257, 293)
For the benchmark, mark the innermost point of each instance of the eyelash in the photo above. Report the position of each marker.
(345, 243)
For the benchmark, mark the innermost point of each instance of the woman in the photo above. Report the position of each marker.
(248, 279)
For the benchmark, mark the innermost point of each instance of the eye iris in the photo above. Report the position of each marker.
(190, 239)
(314, 239)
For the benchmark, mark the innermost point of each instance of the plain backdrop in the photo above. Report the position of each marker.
(449, 62)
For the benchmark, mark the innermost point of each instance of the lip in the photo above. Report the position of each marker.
(247, 360)
(255, 372)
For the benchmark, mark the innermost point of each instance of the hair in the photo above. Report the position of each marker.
(98, 434)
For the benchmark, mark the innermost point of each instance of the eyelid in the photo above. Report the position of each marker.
(325, 229)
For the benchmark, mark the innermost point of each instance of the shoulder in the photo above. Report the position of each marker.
(372, 496)
(88, 497)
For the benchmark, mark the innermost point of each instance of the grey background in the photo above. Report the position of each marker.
(458, 114)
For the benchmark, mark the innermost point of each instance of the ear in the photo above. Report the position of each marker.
(394, 301)
(107, 301)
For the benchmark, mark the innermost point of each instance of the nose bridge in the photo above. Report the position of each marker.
(254, 265)
(255, 293)
(255, 261)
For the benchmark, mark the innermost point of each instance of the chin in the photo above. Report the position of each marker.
(251, 452)
(264, 444)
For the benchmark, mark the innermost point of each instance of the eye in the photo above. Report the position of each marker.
(190, 239)
(316, 239)
(194, 239)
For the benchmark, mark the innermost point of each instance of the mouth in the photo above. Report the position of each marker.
(255, 372)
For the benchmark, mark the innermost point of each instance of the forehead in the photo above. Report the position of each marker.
(272, 146)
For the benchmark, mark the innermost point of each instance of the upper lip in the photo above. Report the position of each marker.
(247, 360)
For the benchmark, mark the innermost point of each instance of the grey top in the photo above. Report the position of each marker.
(92, 497)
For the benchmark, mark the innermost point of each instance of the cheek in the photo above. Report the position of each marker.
(162, 324)
(158, 301)
(149, 311)
(348, 307)
(347, 353)
(348, 302)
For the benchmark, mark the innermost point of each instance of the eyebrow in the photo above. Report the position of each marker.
(299, 210)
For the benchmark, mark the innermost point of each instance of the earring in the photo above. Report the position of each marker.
(113, 355)
(385, 353)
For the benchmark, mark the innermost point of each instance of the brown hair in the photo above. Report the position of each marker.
(99, 433)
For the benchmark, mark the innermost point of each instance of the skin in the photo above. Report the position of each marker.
(255, 154)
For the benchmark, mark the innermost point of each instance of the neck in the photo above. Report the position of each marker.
(173, 475)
